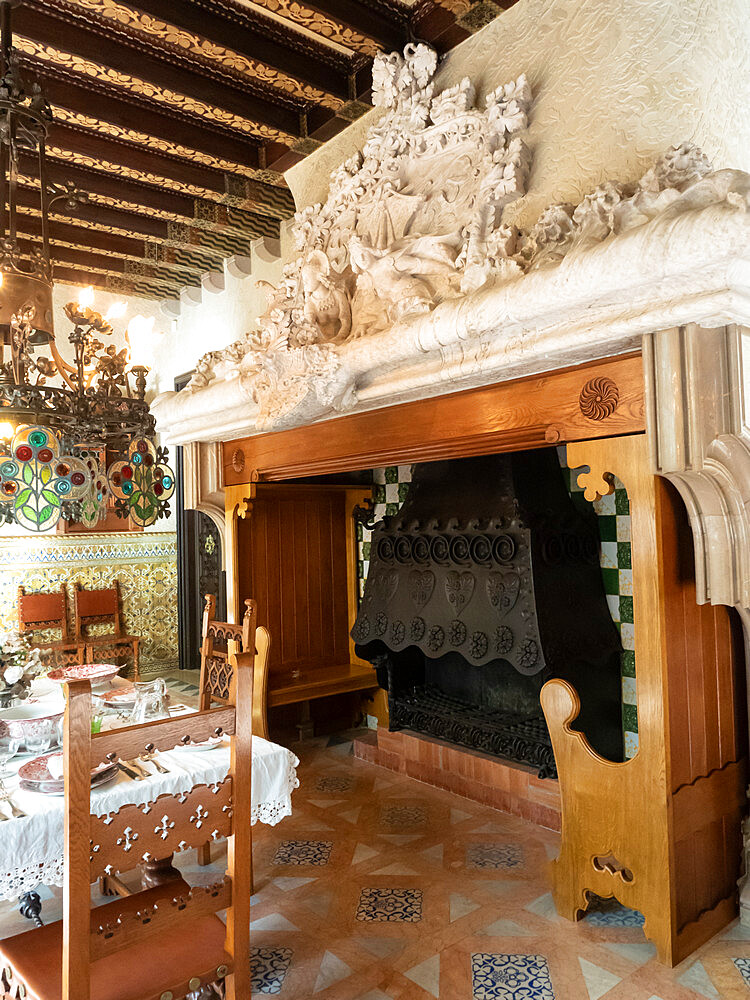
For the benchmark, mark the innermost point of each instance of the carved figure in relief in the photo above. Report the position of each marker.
(327, 304)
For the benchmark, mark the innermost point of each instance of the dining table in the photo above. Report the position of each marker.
(31, 845)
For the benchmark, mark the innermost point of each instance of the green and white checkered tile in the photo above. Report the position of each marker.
(392, 486)
(614, 529)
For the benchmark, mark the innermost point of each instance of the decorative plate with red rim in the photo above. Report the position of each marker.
(85, 672)
(119, 697)
(35, 775)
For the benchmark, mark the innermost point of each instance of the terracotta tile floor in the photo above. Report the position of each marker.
(381, 888)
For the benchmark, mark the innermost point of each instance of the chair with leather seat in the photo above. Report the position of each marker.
(167, 941)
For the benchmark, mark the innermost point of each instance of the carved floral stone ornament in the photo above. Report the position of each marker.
(408, 277)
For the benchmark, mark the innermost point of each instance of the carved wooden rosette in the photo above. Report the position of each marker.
(122, 840)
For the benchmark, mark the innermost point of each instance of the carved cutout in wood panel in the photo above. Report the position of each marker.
(121, 841)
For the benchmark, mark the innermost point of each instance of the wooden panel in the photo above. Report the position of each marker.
(681, 851)
(322, 682)
(165, 734)
(705, 661)
(123, 840)
(525, 413)
(293, 559)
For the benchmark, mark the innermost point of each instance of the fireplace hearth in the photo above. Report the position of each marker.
(484, 586)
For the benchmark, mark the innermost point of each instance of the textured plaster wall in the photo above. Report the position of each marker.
(615, 82)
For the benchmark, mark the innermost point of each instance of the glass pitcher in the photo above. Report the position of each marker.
(151, 701)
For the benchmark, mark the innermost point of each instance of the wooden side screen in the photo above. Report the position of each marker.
(293, 560)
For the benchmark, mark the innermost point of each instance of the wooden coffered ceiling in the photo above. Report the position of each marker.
(179, 117)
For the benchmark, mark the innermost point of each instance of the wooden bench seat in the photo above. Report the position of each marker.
(288, 689)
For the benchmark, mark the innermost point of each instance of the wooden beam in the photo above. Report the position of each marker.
(258, 38)
(380, 20)
(85, 96)
(80, 32)
(194, 211)
(524, 413)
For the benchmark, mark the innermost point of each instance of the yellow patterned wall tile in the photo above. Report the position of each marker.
(144, 564)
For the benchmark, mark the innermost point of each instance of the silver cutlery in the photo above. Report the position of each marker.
(137, 766)
(5, 796)
(114, 759)
(150, 756)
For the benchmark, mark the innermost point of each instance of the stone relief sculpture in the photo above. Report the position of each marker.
(412, 220)
(416, 220)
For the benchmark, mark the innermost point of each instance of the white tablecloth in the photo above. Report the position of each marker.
(31, 848)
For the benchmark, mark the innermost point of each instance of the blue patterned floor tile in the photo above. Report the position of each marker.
(510, 977)
(269, 967)
(494, 856)
(303, 852)
(610, 913)
(743, 967)
(390, 905)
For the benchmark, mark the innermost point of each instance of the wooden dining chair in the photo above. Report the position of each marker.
(44, 611)
(97, 607)
(220, 641)
(162, 942)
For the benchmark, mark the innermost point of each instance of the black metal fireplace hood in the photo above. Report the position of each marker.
(486, 584)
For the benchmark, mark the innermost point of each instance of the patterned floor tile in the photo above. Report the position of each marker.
(610, 913)
(743, 967)
(335, 783)
(494, 856)
(402, 817)
(303, 852)
(269, 967)
(390, 905)
(510, 977)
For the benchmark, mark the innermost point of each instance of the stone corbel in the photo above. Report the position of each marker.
(700, 441)
(203, 487)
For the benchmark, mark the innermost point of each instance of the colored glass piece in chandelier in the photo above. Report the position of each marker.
(35, 479)
(142, 483)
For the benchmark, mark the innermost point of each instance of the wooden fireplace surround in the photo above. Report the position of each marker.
(673, 847)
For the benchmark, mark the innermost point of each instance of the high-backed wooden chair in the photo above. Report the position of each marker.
(49, 610)
(161, 942)
(96, 607)
(220, 641)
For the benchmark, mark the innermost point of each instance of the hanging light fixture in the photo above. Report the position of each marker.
(61, 420)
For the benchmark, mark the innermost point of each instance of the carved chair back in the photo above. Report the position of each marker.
(95, 607)
(118, 842)
(219, 640)
(43, 611)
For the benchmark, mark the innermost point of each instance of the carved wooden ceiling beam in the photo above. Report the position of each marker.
(84, 95)
(83, 35)
(100, 152)
(387, 23)
(130, 195)
(259, 38)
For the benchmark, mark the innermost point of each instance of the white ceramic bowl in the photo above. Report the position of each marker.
(23, 720)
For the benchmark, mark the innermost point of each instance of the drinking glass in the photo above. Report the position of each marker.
(39, 738)
(8, 749)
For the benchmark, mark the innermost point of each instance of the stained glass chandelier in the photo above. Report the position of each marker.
(74, 435)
